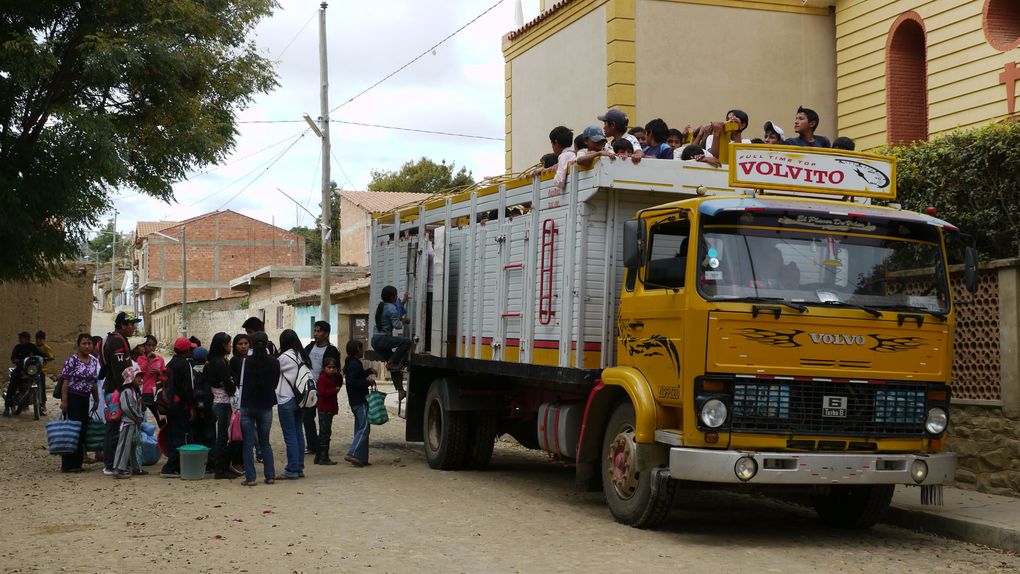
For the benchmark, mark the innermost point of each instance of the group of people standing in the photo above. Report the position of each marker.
(197, 394)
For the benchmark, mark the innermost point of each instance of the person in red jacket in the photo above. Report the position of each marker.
(327, 386)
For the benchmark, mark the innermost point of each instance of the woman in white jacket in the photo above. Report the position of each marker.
(292, 356)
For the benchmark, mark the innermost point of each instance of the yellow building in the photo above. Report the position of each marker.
(686, 61)
(876, 71)
(910, 69)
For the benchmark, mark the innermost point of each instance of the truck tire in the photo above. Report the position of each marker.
(481, 439)
(629, 493)
(853, 507)
(446, 432)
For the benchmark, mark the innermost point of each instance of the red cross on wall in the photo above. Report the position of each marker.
(1009, 76)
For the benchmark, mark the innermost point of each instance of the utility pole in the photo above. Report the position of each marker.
(184, 282)
(113, 265)
(326, 192)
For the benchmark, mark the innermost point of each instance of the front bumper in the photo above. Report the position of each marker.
(703, 465)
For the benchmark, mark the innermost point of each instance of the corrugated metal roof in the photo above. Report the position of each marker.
(382, 201)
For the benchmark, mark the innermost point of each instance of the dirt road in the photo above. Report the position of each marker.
(399, 516)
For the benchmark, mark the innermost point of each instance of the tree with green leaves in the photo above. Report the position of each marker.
(105, 95)
(422, 176)
(99, 246)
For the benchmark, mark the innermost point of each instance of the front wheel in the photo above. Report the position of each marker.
(635, 496)
(853, 507)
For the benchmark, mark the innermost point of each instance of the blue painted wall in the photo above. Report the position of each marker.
(306, 315)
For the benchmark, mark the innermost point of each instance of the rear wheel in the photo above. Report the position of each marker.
(481, 438)
(635, 496)
(445, 432)
(853, 507)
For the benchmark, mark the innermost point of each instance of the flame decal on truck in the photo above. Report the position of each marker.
(896, 344)
(653, 346)
(770, 337)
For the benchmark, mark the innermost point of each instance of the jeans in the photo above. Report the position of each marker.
(325, 427)
(255, 425)
(311, 436)
(359, 446)
(177, 427)
(393, 349)
(219, 452)
(77, 410)
(291, 419)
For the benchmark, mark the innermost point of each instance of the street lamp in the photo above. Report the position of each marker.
(184, 276)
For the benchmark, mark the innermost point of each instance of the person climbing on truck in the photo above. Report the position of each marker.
(391, 347)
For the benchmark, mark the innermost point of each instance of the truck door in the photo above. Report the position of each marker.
(651, 315)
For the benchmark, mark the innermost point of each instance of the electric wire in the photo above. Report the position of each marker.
(416, 58)
(337, 162)
(263, 172)
(381, 126)
(292, 40)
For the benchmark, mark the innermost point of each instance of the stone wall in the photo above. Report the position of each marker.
(988, 444)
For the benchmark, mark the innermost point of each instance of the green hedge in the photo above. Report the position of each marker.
(973, 178)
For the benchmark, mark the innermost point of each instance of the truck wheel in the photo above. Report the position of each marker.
(445, 432)
(627, 488)
(853, 507)
(481, 439)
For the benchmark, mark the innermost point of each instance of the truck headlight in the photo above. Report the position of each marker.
(919, 471)
(937, 421)
(713, 413)
(745, 468)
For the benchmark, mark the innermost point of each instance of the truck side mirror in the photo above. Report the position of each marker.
(970, 269)
(634, 233)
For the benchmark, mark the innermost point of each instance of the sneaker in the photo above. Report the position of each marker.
(109, 472)
(140, 472)
(354, 461)
(123, 474)
(42, 412)
(169, 475)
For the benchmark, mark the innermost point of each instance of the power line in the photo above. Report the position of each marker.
(268, 167)
(280, 55)
(337, 162)
(380, 126)
(232, 183)
(418, 57)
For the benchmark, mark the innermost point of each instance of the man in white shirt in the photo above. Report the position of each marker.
(736, 136)
(614, 125)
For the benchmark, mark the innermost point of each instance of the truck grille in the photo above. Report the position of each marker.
(829, 408)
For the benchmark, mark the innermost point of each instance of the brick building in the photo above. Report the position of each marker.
(356, 209)
(221, 246)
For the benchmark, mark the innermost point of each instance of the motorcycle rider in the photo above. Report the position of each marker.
(19, 353)
(46, 352)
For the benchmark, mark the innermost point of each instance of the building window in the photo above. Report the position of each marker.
(1001, 22)
(906, 81)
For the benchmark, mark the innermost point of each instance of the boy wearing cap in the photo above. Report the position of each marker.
(130, 420)
(774, 134)
(614, 125)
(180, 405)
(594, 146)
(116, 358)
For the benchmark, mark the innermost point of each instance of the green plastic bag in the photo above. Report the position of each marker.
(95, 432)
(377, 414)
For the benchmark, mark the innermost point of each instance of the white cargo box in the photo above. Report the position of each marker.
(538, 287)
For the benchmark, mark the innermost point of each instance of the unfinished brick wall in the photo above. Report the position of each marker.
(220, 247)
(354, 220)
(906, 80)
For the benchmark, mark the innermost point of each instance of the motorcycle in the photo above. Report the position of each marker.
(24, 386)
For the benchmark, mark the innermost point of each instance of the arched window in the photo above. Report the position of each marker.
(906, 93)
(1001, 22)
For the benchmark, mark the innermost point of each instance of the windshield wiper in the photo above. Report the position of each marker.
(936, 314)
(870, 310)
(795, 306)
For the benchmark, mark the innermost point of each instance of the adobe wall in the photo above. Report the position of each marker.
(62, 308)
(988, 444)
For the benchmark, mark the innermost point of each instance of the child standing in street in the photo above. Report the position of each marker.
(130, 420)
(359, 379)
(328, 386)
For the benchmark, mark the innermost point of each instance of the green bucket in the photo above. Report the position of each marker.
(193, 457)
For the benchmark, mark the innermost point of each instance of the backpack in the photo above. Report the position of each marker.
(306, 395)
(113, 409)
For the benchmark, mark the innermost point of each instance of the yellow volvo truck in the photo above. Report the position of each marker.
(664, 323)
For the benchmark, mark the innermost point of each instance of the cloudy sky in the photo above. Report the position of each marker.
(457, 89)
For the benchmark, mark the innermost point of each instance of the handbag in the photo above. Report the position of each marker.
(235, 426)
(62, 435)
(95, 432)
(377, 414)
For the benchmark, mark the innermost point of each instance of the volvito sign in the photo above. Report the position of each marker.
(812, 170)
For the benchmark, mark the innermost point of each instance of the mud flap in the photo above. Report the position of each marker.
(660, 480)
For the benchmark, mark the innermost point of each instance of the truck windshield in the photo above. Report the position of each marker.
(822, 261)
